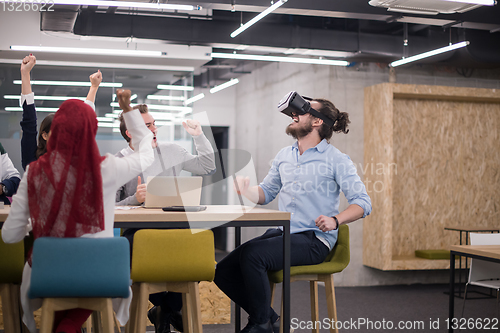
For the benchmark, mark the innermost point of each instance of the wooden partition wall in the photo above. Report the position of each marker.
(432, 159)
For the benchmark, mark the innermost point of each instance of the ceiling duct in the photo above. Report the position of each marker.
(426, 7)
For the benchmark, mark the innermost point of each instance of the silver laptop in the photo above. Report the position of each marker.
(166, 191)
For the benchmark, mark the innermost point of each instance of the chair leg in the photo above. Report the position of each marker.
(187, 313)
(47, 319)
(465, 298)
(107, 317)
(273, 289)
(142, 308)
(131, 326)
(96, 322)
(330, 302)
(117, 323)
(10, 315)
(194, 294)
(88, 324)
(314, 304)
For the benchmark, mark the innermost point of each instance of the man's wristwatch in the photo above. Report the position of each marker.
(336, 221)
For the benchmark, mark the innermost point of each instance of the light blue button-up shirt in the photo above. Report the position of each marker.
(309, 185)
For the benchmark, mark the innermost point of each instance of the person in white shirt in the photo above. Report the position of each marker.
(70, 192)
(30, 149)
(9, 177)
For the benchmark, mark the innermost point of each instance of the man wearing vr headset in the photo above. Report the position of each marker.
(308, 176)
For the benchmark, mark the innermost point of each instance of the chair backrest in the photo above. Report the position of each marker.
(173, 255)
(11, 261)
(335, 261)
(341, 253)
(80, 267)
(481, 270)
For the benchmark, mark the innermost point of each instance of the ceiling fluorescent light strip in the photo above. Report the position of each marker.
(71, 83)
(172, 87)
(158, 107)
(476, 2)
(91, 51)
(38, 109)
(102, 65)
(165, 98)
(225, 85)
(194, 99)
(45, 98)
(127, 4)
(429, 54)
(257, 18)
(280, 59)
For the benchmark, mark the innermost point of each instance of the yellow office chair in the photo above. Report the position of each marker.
(171, 260)
(11, 271)
(335, 262)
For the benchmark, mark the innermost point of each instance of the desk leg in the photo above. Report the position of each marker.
(237, 311)
(452, 292)
(286, 278)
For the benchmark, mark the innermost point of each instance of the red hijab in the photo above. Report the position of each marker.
(65, 184)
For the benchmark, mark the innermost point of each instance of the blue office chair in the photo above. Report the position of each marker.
(83, 273)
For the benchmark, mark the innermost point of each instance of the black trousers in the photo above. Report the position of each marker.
(168, 301)
(242, 274)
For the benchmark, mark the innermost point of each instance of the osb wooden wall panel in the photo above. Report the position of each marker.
(444, 142)
(448, 158)
(378, 137)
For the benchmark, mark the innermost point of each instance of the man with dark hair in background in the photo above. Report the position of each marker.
(170, 160)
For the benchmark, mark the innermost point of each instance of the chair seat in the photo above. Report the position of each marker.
(80, 267)
(493, 284)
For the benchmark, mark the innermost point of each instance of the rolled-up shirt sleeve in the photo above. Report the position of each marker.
(351, 185)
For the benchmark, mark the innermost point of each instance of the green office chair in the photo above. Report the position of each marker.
(335, 262)
(170, 260)
(11, 272)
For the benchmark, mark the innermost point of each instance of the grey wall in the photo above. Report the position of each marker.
(260, 129)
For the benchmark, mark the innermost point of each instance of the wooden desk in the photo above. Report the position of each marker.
(467, 230)
(483, 252)
(215, 216)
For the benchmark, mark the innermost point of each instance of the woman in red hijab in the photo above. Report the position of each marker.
(70, 192)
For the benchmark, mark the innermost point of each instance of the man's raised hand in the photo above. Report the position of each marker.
(28, 63)
(192, 126)
(95, 79)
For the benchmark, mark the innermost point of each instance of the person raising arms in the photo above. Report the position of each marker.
(30, 149)
(70, 192)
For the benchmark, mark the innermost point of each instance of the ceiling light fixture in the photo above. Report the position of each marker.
(155, 5)
(165, 98)
(158, 107)
(45, 98)
(257, 18)
(225, 85)
(38, 109)
(71, 83)
(92, 51)
(280, 59)
(428, 54)
(102, 65)
(476, 2)
(194, 99)
(172, 87)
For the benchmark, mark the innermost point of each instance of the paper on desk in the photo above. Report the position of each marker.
(126, 207)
